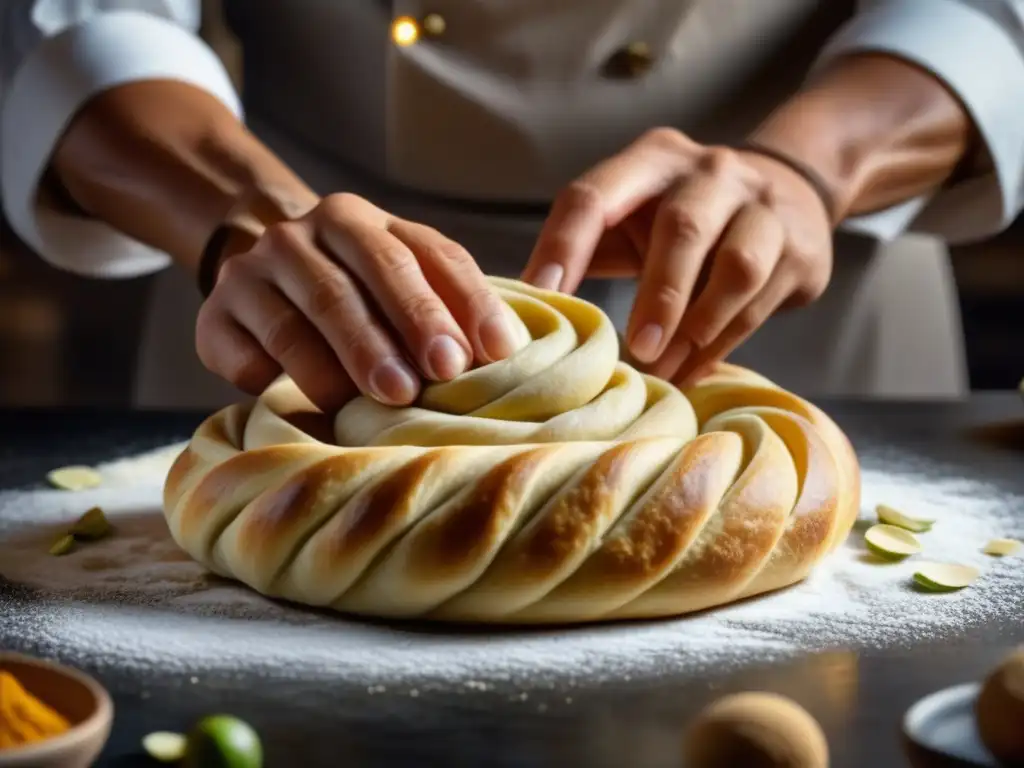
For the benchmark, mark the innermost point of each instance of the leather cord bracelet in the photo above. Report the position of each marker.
(236, 234)
(244, 224)
(209, 261)
(812, 177)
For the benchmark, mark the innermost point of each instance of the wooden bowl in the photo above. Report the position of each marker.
(76, 696)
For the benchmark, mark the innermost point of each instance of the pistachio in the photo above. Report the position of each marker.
(891, 542)
(91, 526)
(1002, 547)
(63, 545)
(944, 577)
(892, 516)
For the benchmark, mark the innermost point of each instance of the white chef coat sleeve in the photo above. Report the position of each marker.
(70, 50)
(976, 48)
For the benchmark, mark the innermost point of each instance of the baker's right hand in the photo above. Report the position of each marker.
(350, 298)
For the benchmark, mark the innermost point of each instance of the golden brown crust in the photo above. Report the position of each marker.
(630, 499)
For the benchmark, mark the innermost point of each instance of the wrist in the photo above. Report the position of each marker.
(259, 192)
(236, 233)
(270, 195)
(167, 164)
(877, 129)
(799, 172)
(806, 137)
(227, 240)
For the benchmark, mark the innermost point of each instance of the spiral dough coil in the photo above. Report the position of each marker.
(557, 486)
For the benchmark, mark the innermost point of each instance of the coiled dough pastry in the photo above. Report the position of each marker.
(557, 486)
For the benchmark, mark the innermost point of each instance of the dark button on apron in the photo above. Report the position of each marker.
(629, 62)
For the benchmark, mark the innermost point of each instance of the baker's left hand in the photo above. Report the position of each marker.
(720, 240)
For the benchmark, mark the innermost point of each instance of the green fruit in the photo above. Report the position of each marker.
(222, 741)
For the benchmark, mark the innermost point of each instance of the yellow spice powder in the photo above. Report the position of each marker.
(24, 719)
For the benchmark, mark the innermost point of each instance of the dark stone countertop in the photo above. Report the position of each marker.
(858, 696)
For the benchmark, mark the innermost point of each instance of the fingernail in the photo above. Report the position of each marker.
(393, 382)
(446, 358)
(496, 337)
(645, 343)
(549, 277)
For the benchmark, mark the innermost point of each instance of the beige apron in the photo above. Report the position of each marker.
(474, 131)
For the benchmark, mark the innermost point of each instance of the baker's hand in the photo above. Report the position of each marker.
(720, 240)
(350, 298)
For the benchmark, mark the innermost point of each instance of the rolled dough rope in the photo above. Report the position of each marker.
(557, 486)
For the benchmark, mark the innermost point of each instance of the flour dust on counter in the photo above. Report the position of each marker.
(134, 600)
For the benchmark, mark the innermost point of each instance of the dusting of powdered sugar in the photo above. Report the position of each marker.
(135, 601)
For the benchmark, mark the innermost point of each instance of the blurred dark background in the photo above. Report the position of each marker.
(66, 340)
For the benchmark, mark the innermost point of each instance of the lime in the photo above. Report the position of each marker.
(222, 741)
(892, 516)
(891, 542)
(74, 478)
(164, 746)
(1002, 547)
(944, 577)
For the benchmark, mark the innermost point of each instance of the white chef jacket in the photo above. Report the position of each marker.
(509, 104)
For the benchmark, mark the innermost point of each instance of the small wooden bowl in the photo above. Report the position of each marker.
(76, 696)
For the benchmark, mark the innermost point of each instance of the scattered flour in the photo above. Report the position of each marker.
(134, 600)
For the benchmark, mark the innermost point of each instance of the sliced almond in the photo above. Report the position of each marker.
(945, 577)
(1002, 547)
(891, 542)
(892, 516)
(74, 478)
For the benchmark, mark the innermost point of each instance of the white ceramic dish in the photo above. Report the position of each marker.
(941, 726)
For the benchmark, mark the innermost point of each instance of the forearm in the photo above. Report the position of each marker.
(878, 130)
(166, 163)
